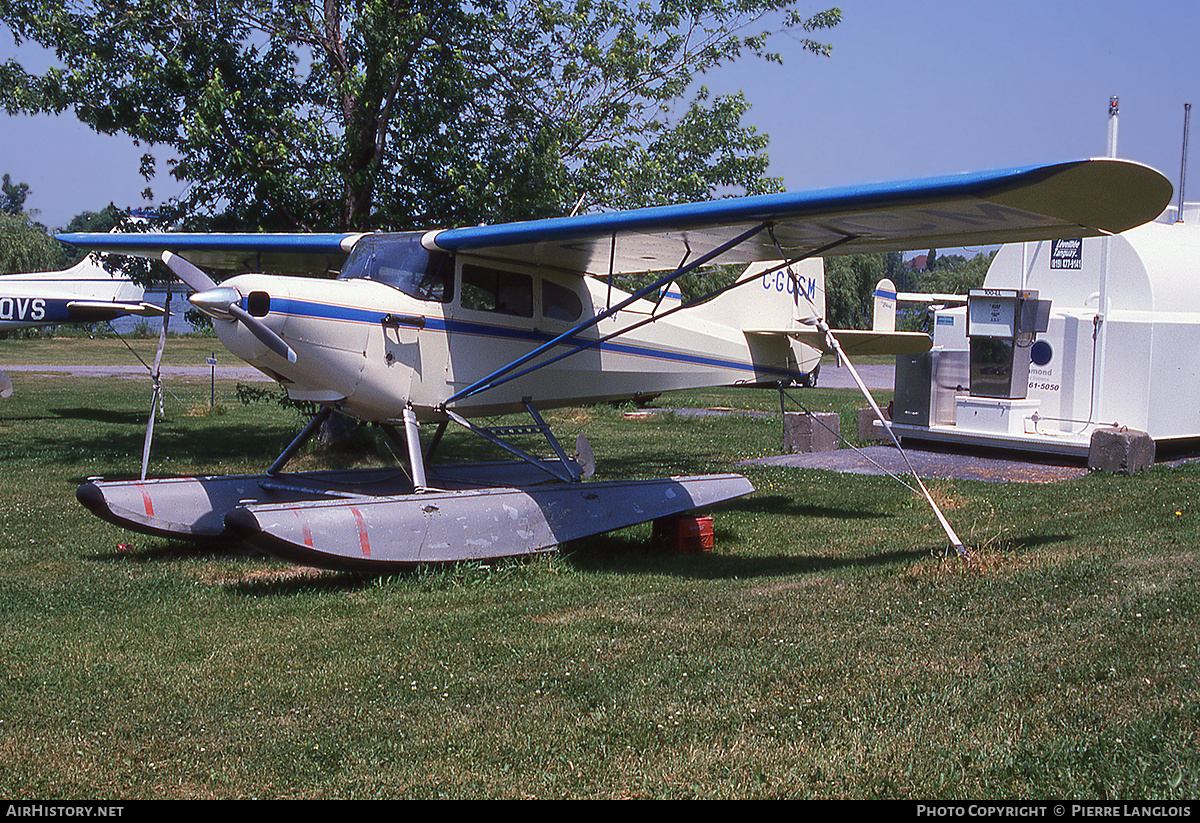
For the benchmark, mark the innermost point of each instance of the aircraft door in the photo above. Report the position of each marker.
(401, 340)
(492, 322)
(500, 315)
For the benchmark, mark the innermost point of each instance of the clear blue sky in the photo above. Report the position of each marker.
(913, 89)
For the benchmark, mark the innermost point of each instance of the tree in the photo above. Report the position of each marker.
(955, 274)
(92, 221)
(26, 246)
(12, 197)
(340, 115)
(850, 289)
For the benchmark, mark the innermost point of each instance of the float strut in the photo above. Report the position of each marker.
(415, 459)
(307, 432)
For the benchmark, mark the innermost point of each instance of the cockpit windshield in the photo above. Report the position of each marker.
(400, 261)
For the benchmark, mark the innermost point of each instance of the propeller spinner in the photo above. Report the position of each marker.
(225, 303)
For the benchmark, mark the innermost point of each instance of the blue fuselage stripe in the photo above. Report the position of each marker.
(307, 309)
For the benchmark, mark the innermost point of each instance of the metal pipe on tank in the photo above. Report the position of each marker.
(1187, 113)
(1100, 338)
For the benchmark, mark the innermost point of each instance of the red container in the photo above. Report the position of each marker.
(685, 535)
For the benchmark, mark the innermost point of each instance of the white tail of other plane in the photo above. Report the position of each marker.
(883, 312)
(85, 292)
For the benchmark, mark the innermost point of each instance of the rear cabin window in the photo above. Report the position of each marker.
(494, 290)
(403, 263)
(560, 302)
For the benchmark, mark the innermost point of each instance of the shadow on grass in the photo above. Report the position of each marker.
(175, 550)
(267, 576)
(1016, 545)
(121, 418)
(213, 445)
(283, 579)
(787, 506)
(613, 552)
(304, 581)
(625, 554)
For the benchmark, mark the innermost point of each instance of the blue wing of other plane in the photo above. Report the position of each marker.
(259, 252)
(1073, 199)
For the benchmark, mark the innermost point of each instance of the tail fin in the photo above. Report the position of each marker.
(771, 303)
(883, 314)
(87, 280)
(783, 299)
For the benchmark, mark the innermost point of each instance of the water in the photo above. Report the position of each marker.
(178, 324)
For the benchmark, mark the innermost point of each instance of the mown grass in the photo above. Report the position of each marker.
(827, 647)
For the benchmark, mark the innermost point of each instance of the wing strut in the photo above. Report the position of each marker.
(490, 381)
(836, 347)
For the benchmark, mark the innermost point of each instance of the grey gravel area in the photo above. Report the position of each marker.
(928, 464)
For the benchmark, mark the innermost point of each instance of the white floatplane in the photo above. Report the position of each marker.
(84, 293)
(446, 327)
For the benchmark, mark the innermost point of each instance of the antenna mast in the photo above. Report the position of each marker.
(1187, 113)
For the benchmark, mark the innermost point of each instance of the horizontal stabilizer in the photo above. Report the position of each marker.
(922, 297)
(861, 342)
(858, 341)
(90, 311)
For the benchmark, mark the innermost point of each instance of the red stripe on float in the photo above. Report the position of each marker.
(146, 500)
(304, 529)
(362, 532)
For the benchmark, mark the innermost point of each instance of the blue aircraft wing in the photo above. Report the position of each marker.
(314, 254)
(1074, 199)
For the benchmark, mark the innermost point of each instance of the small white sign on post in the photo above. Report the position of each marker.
(211, 360)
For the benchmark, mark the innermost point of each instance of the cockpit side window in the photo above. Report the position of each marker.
(560, 303)
(403, 263)
(494, 290)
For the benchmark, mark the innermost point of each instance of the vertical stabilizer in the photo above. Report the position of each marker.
(883, 313)
(778, 297)
(771, 303)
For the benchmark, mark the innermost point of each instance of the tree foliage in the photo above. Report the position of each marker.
(850, 282)
(850, 287)
(953, 273)
(12, 196)
(26, 246)
(360, 114)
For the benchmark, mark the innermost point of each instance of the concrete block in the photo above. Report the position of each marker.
(804, 433)
(1120, 451)
(869, 429)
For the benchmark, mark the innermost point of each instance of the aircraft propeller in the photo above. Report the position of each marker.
(217, 301)
(224, 302)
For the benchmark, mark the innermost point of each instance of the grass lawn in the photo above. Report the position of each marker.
(827, 647)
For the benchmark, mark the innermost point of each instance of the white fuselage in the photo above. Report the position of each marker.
(45, 298)
(372, 350)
